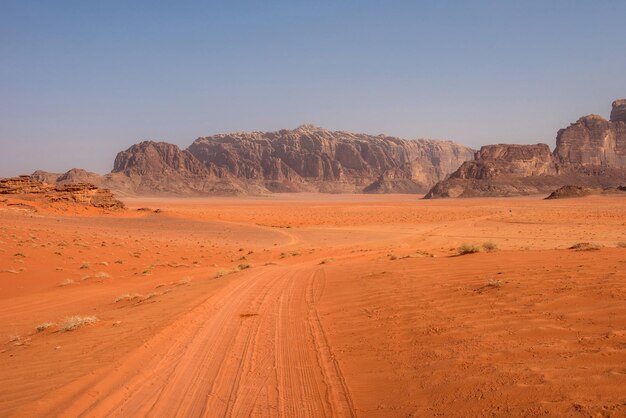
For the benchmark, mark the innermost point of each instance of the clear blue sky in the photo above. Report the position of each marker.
(81, 80)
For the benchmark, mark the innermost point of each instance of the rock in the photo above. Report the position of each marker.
(314, 159)
(592, 141)
(618, 113)
(570, 191)
(589, 153)
(159, 167)
(29, 188)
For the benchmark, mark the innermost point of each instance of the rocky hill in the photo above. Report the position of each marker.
(590, 152)
(303, 159)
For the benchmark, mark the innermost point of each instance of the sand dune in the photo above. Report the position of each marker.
(311, 305)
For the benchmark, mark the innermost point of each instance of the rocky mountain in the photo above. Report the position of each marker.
(315, 159)
(303, 159)
(590, 152)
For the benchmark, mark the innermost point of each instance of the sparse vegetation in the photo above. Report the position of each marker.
(221, 273)
(102, 275)
(127, 296)
(621, 244)
(67, 282)
(328, 260)
(244, 266)
(392, 257)
(45, 326)
(84, 266)
(490, 246)
(493, 284)
(72, 323)
(467, 249)
(584, 246)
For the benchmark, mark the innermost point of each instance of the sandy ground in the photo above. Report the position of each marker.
(315, 305)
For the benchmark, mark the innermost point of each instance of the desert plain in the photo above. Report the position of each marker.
(315, 305)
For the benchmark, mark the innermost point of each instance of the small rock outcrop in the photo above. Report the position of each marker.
(569, 191)
(589, 153)
(29, 188)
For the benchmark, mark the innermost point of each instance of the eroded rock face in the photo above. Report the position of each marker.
(618, 113)
(592, 141)
(154, 167)
(29, 188)
(311, 158)
(590, 152)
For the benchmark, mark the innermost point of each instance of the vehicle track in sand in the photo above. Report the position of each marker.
(257, 348)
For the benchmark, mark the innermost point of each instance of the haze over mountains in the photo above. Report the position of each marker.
(590, 152)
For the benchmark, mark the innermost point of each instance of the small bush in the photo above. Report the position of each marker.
(102, 275)
(72, 323)
(621, 244)
(584, 246)
(467, 249)
(244, 266)
(127, 296)
(84, 266)
(490, 246)
(45, 326)
(328, 260)
(392, 257)
(220, 273)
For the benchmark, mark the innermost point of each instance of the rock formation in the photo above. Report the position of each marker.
(29, 188)
(314, 159)
(303, 159)
(570, 191)
(590, 152)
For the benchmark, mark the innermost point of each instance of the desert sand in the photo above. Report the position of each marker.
(315, 305)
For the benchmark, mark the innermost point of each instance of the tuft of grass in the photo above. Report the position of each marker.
(84, 266)
(102, 275)
(493, 284)
(45, 326)
(584, 246)
(221, 273)
(244, 266)
(467, 249)
(128, 296)
(72, 323)
(490, 246)
(392, 257)
(67, 282)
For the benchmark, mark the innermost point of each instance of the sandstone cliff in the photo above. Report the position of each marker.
(31, 189)
(303, 159)
(315, 159)
(590, 152)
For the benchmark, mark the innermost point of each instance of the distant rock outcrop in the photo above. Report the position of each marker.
(303, 159)
(315, 159)
(569, 191)
(29, 188)
(590, 153)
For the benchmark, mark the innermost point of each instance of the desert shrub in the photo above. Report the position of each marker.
(45, 326)
(490, 246)
(127, 296)
(621, 244)
(584, 246)
(392, 257)
(467, 249)
(244, 266)
(72, 323)
(328, 260)
(67, 282)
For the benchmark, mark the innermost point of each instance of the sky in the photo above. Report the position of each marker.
(82, 80)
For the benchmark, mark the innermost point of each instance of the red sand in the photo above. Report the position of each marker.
(343, 311)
